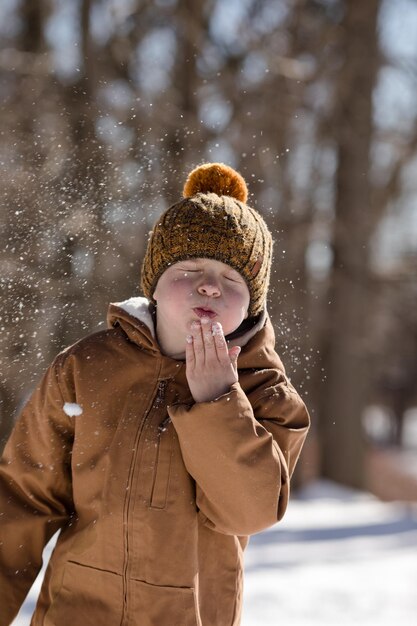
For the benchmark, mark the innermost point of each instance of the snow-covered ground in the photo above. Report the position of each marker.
(338, 557)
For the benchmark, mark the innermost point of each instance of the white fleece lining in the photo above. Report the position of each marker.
(139, 307)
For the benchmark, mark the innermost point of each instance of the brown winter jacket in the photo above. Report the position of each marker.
(155, 495)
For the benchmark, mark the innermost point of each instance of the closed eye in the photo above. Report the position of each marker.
(187, 268)
(234, 279)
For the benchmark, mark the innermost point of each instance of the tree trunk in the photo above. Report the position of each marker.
(344, 345)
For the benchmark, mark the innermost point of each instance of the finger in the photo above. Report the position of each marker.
(189, 351)
(208, 338)
(198, 343)
(220, 342)
(233, 355)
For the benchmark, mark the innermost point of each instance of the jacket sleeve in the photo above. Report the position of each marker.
(35, 491)
(241, 450)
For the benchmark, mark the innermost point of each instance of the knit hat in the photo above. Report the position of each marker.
(213, 222)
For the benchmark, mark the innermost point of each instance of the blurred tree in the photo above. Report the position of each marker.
(394, 348)
(344, 351)
(21, 159)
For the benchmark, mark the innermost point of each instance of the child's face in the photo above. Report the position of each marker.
(196, 288)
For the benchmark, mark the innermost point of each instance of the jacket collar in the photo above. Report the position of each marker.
(136, 317)
(137, 308)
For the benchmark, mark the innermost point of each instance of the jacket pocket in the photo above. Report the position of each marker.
(88, 596)
(162, 467)
(153, 605)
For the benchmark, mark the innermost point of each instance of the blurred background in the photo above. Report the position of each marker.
(105, 107)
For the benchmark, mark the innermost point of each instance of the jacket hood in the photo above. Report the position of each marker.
(136, 318)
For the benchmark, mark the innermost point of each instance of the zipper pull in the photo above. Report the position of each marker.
(163, 425)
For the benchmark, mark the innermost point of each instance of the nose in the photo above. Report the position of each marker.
(209, 287)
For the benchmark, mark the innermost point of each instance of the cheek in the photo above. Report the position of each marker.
(186, 286)
(239, 299)
(175, 291)
(245, 302)
(183, 286)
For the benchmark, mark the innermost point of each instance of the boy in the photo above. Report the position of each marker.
(148, 444)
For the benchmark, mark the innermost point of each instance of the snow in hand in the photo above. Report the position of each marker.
(72, 409)
(339, 557)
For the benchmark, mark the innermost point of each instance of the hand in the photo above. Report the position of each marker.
(211, 368)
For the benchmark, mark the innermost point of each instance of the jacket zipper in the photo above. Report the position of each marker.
(161, 429)
(160, 394)
(158, 397)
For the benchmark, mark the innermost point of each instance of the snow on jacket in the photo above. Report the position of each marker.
(155, 495)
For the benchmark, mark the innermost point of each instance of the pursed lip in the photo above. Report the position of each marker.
(203, 311)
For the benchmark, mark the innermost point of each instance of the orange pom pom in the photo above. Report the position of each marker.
(216, 178)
